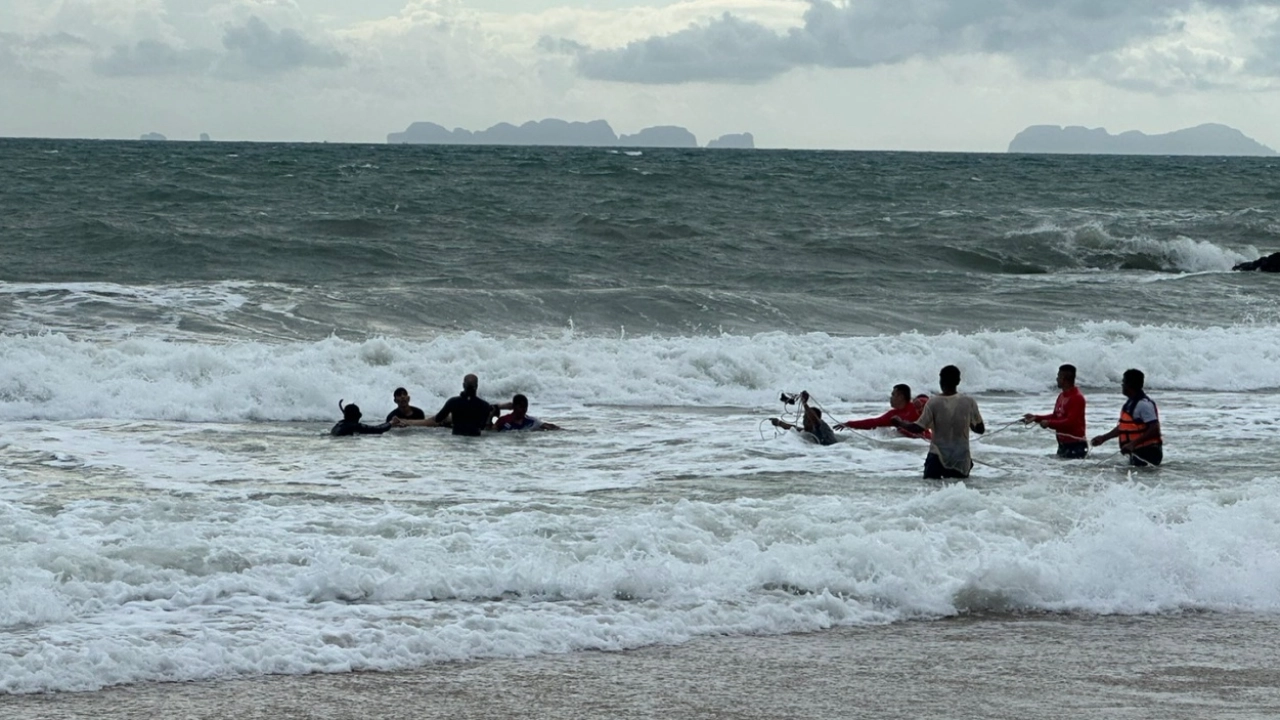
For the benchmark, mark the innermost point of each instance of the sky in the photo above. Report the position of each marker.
(931, 75)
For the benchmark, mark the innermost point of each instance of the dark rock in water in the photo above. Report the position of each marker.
(1269, 263)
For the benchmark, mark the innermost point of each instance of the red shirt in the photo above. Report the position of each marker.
(1068, 416)
(909, 413)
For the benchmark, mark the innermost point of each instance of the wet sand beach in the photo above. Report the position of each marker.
(1188, 666)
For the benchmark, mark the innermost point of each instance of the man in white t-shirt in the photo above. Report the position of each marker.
(950, 416)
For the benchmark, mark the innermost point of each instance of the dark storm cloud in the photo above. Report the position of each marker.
(1043, 35)
(251, 49)
(255, 46)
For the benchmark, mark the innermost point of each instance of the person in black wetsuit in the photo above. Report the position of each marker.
(351, 424)
(469, 413)
(404, 410)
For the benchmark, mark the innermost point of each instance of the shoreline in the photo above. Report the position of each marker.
(1157, 667)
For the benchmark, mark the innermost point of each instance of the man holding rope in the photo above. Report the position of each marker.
(1067, 418)
(1139, 426)
(950, 416)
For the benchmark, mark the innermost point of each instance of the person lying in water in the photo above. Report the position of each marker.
(814, 428)
(351, 425)
(519, 418)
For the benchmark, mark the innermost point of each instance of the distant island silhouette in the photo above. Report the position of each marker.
(153, 137)
(1208, 139)
(552, 131)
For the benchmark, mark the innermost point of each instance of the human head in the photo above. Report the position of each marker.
(949, 377)
(900, 396)
(351, 412)
(811, 418)
(1132, 383)
(470, 384)
(1066, 376)
(519, 404)
(401, 396)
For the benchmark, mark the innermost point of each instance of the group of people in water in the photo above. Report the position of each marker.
(465, 414)
(947, 419)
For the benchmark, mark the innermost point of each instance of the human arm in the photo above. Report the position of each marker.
(885, 420)
(445, 411)
(780, 423)
(976, 423)
(912, 427)
(1098, 440)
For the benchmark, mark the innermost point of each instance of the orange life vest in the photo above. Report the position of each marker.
(1131, 428)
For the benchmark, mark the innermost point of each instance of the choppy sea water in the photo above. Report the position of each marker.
(177, 323)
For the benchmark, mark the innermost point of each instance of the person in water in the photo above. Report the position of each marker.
(351, 425)
(520, 419)
(951, 416)
(901, 405)
(468, 412)
(1139, 426)
(814, 427)
(403, 410)
(1067, 418)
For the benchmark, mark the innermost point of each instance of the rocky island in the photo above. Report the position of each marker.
(555, 132)
(1209, 139)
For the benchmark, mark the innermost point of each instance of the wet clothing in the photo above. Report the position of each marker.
(1073, 450)
(355, 427)
(822, 434)
(1135, 416)
(934, 470)
(1150, 455)
(411, 413)
(950, 417)
(470, 414)
(909, 413)
(1067, 418)
(509, 423)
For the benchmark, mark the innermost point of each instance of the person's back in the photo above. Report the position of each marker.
(950, 417)
(470, 414)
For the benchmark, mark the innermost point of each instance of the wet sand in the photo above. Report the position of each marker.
(1192, 666)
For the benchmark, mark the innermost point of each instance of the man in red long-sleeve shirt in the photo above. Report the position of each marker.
(1067, 418)
(901, 406)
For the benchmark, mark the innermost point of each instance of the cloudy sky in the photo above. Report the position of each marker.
(858, 74)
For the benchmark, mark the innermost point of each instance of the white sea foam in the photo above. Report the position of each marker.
(101, 594)
(54, 377)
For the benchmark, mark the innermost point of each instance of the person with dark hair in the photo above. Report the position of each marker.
(403, 410)
(351, 425)
(468, 412)
(950, 416)
(1139, 426)
(520, 419)
(901, 405)
(813, 426)
(1067, 418)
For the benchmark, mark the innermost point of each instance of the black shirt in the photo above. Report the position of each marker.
(412, 413)
(470, 414)
(355, 427)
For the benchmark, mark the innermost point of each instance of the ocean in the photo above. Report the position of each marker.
(178, 322)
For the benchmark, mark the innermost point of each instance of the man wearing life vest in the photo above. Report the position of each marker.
(1139, 427)
(901, 405)
(1067, 418)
